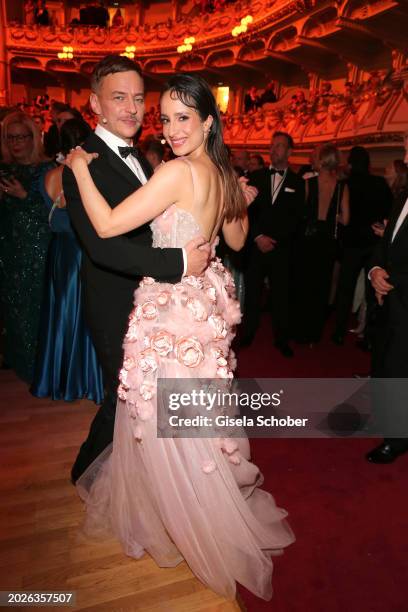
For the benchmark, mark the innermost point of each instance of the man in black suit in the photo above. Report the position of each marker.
(274, 217)
(389, 278)
(111, 268)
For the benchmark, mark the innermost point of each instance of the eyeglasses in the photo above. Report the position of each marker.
(18, 137)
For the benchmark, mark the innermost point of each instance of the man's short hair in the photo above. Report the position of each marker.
(111, 64)
(288, 137)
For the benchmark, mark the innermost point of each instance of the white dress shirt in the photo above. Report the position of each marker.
(114, 142)
(276, 184)
(400, 220)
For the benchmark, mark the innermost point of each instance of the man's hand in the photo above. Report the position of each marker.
(378, 278)
(198, 253)
(265, 243)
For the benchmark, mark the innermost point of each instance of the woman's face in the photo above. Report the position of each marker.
(182, 126)
(20, 142)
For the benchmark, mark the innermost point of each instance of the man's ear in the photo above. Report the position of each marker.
(94, 102)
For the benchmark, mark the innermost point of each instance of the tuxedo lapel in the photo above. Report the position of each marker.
(281, 196)
(122, 168)
(402, 229)
(146, 167)
(393, 221)
(94, 143)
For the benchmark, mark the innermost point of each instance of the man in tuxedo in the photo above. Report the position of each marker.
(274, 217)
(389, 278)
(240, 161)
(111, 268)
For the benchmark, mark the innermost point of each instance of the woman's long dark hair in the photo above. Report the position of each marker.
(194, 92)
(73, 132)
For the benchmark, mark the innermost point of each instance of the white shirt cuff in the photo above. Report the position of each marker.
(184, 262)
(373, 268)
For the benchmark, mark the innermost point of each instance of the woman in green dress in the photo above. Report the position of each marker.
(24, 239)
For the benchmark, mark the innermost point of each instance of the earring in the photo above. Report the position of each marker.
(104, 120)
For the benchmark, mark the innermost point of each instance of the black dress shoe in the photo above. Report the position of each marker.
(385, 453)
(284, 350)
(338, 339)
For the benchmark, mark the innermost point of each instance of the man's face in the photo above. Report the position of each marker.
(254, 164)
(120, 102)
(280, 151)
(240, 159)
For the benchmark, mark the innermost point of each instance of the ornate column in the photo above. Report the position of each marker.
(4, 66)
(314, 81)
(353, 73)
(175, 10)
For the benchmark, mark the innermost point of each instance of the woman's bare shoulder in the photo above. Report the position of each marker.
(53, 181)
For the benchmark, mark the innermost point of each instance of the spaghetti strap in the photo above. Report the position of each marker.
(193, 177)
(55, 205)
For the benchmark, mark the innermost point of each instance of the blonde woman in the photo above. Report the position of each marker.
(24, 238)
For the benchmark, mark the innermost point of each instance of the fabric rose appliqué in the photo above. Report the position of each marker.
(162, 342)
(147, 390)
(163, 298)
(146, 280)
(189, 351)
(219, 326)
(197, 309)
(147, 361)
(149, 310)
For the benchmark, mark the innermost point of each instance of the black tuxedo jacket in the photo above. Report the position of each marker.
(112, 267)
(390, 356)
(392, 255)
(280, 219)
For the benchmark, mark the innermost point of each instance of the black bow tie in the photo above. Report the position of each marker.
(275, 171)
(125, 151)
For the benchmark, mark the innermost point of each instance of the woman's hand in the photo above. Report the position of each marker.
(77, 156)
(249, 191)
(13, 187)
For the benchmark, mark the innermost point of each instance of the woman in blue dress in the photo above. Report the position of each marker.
(66, 366)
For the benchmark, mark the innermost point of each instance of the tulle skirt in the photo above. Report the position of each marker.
(179, 498)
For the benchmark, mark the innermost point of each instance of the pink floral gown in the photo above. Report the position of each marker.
(183, 498)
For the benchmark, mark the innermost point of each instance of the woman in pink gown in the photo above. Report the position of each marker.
(196, 499)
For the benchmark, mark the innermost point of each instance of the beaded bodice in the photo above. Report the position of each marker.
(174, 228)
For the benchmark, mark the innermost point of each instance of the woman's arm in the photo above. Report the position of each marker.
(344, 216)
(162, 190)
(235, 232)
